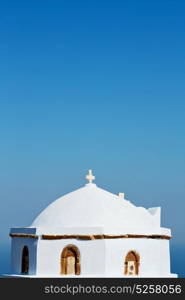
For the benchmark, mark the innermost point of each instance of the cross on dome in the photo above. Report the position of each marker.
(90, 177)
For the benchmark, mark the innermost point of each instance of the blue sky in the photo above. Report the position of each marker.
(92, 84)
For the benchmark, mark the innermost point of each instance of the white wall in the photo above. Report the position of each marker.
(17, 246)
(92, 256)
(154, 256)
(165, 252)
(98, 257)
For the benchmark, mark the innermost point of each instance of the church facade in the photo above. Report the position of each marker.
(92, 232)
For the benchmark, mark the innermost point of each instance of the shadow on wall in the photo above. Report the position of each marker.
(177, 259)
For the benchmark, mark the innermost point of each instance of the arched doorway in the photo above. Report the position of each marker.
(25, 260)
(132, 260)
(70, 260)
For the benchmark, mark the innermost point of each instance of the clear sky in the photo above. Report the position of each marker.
(92, 84)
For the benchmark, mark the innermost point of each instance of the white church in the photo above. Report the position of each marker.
(91, 232)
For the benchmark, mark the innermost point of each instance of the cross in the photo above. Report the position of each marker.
(90, 177)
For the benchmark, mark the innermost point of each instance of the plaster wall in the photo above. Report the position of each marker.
(17, 245)
(92, 256)
(154, 256)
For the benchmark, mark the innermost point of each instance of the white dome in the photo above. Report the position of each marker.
(91, 206)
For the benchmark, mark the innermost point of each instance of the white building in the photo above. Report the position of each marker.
(92, 232)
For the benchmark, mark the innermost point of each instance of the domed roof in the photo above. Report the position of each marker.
(91, 206)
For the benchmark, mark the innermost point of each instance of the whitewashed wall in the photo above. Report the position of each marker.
(97, 257)
(154, 256)
(92, 256)
(17, 245)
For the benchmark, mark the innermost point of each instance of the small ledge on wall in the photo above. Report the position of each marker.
(91, 237)
(105, 236)
(22, 235)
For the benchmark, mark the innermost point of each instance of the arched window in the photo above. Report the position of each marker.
(132, 261)
(70, 260)
(25, 260)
